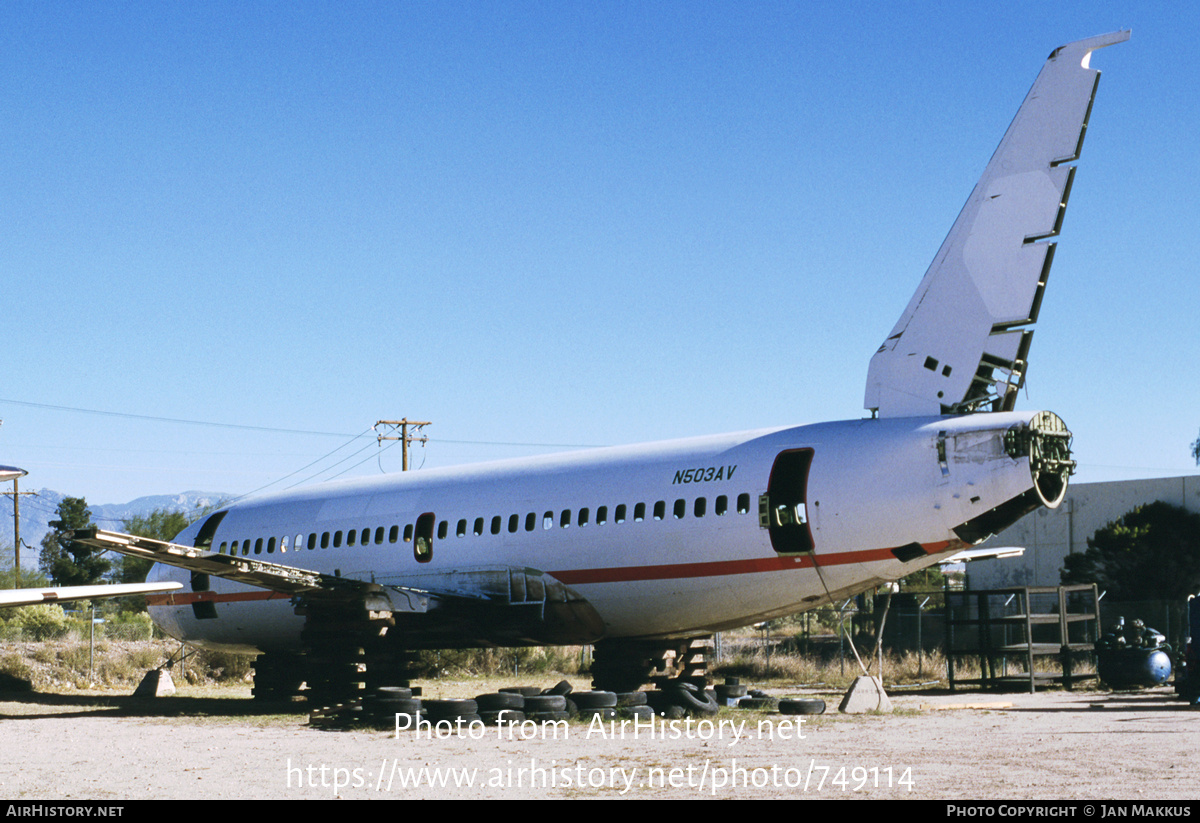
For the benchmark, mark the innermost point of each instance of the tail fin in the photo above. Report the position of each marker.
(963, 342)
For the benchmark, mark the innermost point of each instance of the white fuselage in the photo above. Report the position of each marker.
(661, 539)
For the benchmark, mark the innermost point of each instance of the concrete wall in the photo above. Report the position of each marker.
(1049, 536)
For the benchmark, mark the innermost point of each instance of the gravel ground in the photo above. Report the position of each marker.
(1053, 745)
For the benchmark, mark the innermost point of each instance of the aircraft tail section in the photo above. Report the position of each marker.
(963, 342)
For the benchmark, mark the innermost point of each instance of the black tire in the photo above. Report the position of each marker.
(393, 691)
(638, 712)
(548, 717)
(499, 701)
(562, 687)
(594, 700)
(603, 712)
(449, 708)
(802, 705)
(686, 698)
(696, 702)
(501, 717)
(546, 703)
(402, 721)
(524, 691)
(379, 706)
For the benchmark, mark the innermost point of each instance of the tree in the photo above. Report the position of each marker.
(67, 563)
(1150, 553)
(29, 578)
(929, 579)
(160, 524)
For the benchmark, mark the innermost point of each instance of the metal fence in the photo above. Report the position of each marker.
(917, 624)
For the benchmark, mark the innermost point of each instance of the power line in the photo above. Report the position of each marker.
(327, 468)
(305, 466)
(244, 427)
(132, 416)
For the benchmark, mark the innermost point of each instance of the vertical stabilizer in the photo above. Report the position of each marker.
(963, 342)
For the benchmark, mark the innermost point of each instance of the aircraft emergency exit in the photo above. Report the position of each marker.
(638, 547)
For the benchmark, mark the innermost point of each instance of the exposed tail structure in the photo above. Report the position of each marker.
(963, 342)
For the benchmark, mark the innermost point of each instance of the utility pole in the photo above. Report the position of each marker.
(13, 473)
(405, 438)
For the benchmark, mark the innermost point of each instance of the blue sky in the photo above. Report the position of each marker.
(549, 224)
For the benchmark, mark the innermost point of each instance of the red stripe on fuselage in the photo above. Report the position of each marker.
(720, 568)
(186, 598)
(619, 574)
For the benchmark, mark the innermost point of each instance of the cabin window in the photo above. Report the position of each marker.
(224, 546)
(423, 544)
(601, 515)
(514, 523)
(583, 517)
(743, 503)
(379, 536)
(393, 534)
(258, 546)
(699, 507)
(337, 538)
(299, 544)
(620, 516)
(565, 519)
(722, 505)
(271, 545)
(680, 509)
(408, 531)
(531, 521)
(324, 540)
(639, 512)
(283, 544)
(443, 527)
(660, 510)
(461, 531)
(312, 541)
(548, 520)
(351, 537)
(478, 526)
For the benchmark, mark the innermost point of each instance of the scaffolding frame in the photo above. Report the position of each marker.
(998, 624)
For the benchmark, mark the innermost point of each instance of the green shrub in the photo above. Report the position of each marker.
(45, 621)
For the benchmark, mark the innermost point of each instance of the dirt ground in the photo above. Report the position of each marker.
(936, 745)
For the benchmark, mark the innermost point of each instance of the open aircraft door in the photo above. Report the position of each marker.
(783, 510)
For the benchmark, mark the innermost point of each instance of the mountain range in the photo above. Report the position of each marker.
(39, 509)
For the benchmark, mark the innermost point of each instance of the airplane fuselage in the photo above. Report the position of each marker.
(670, 539)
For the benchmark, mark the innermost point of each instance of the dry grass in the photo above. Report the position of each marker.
(811, 670)
(67, 665)
(70, 665)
